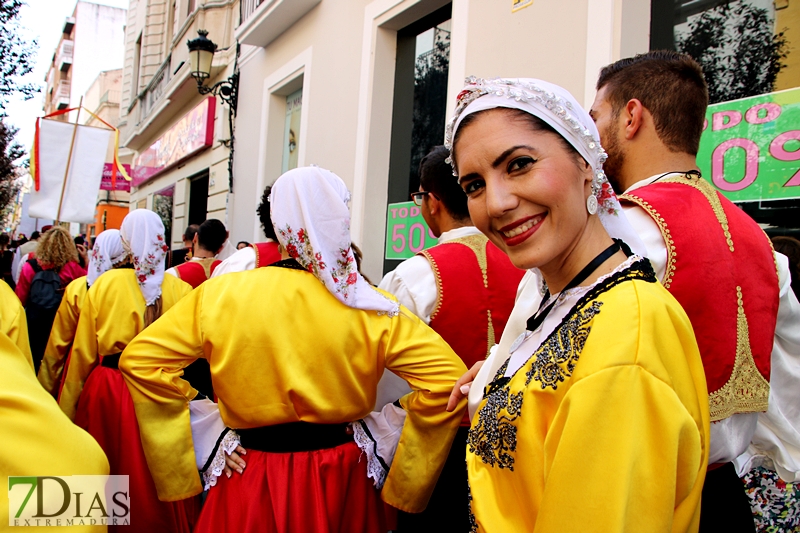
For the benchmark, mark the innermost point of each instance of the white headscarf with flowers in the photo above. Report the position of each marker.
(558, 108)
(106, 252)
(312, 220)
(142, 235)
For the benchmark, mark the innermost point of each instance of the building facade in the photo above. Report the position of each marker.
(177, 138)
(364, 88)
(92, 41)
(376, 81)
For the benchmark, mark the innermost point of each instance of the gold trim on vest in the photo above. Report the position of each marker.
(746, 390)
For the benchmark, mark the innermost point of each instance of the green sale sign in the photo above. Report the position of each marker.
(406, 231)
(750, 148)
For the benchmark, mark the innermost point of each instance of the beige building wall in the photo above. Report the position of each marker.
(342, 53)
(157, 91)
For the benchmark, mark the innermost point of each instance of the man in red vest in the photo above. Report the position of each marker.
(259, 254)
(206, 244)
(718, 264)
(464, 288)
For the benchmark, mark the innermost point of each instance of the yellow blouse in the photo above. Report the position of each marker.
(283, 349)
(606, 426)
(111, 316)
(13, 321)
(62, 335)
(37, 439)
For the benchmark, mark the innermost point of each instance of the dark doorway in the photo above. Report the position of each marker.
(420, 102)
(198, 198)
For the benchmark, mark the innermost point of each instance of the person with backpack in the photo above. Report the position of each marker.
(107, 253)
(42, 282)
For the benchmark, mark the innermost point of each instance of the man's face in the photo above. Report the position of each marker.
(608, 124)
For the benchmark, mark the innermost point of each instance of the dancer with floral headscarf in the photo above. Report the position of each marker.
(120, 304)
(106, 254)
(314, 338)
(592, 413)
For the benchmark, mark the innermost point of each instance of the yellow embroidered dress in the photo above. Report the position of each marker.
(36, 438)
(283, 349)
(602, 427)
(13, 321)
(62, 335)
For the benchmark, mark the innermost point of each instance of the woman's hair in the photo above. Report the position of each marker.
(359, 255)
(534, 123)
(152, 312)
(246, 244)
(790, 247)
(56, 248)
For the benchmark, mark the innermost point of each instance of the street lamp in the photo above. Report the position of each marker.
(201, 52)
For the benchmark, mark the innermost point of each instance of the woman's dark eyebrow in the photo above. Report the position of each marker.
(502, 157)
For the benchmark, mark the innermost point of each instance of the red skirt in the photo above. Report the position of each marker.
(324, 491)
(105, 411)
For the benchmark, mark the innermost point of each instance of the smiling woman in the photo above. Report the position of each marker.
(602, 361)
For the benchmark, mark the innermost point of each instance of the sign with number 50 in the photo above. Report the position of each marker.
(406, 231)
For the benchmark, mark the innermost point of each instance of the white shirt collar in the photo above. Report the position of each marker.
(650, 180)
(458, 233)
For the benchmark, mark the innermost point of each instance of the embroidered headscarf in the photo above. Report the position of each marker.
(311, 217)
(558, 108)
(142, 235)
(106, 252)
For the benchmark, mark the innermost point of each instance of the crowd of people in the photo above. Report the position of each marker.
(604, 340)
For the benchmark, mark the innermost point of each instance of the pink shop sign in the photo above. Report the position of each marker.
(122, 183)
(191, 134)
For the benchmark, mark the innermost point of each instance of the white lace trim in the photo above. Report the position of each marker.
(364, 440)
(229, 443)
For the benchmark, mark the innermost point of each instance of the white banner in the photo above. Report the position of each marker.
(85, 172)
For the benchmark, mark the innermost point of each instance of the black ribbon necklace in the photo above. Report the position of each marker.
(537, 318)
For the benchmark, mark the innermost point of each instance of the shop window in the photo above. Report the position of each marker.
(747, 48)
(198, 198)
(162, 205)
(291, 131)
(420, 101)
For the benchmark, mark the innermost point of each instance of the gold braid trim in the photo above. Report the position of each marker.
(665, 233)
(438, 276)
(206, 263)
(774, 257)
(490, 339)
(711, 195)
(746, 391)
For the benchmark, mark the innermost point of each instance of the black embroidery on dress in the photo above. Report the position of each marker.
(494, 434)
(473, 524)
(555, 359)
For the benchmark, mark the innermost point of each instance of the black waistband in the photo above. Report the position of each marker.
(110, 361)
(294, 437)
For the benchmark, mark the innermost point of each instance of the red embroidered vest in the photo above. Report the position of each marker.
(476, 285)
(266, 253)
(196, 272)
(721, 269)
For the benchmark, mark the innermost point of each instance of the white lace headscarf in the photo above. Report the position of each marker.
(142, 235)
(311, 217)
(555, 106)
(106, 252)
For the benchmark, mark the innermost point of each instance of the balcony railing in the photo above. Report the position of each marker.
(61, 95)
(110, 97)
(155, 89)
(246, 8)
(65, 55)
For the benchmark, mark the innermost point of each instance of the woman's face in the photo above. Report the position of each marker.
(526, 190)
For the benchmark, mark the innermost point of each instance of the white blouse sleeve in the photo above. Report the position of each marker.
(212, 440)
(244, 259)
(776, 443)
(378, 434)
